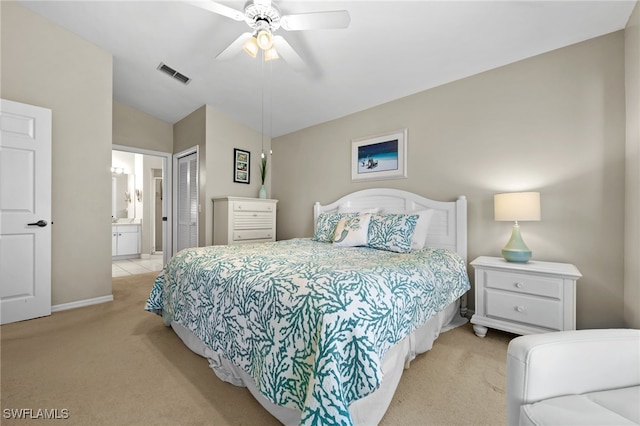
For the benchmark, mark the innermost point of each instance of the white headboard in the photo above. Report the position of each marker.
(448, 227)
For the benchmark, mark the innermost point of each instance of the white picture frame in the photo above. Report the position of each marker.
(378, 157)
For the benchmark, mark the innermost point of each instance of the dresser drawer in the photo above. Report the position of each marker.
(253, 206)
(524, 283)
(255, 234)
(523, 308)
(252, 220)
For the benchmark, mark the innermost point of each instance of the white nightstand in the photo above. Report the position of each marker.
(524, 298)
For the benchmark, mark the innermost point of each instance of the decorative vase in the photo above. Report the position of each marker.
(263, 192)
(516, 250)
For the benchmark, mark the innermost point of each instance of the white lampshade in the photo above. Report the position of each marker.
(271, 54)
(251, 47)
(264, 39)
(517, 206)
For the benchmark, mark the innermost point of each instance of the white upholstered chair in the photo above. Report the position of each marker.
(583, 377)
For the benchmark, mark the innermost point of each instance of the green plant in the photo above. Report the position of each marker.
(263, 169)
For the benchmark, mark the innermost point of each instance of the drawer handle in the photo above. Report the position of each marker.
(255, 215)
(520, 308)
(518, 285)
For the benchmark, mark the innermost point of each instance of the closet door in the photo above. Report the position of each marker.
(187, 197)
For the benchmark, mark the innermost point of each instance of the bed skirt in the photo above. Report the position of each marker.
(366, 411)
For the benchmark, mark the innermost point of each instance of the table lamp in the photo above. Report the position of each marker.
(516, 206)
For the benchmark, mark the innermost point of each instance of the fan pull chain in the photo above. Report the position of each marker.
(262, 105)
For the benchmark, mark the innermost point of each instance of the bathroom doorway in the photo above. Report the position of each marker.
(150, 200)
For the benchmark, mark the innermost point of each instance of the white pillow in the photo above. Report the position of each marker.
(352, 231)
(419, 238)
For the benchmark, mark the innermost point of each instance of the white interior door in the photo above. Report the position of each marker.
(25, 212)
(187, 206)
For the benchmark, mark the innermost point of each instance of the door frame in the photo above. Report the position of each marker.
(154, 212)
(167, 180)
(176, 157)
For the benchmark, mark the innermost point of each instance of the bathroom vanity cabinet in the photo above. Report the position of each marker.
(125, 240)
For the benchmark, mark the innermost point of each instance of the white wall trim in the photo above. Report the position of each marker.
(82, 303)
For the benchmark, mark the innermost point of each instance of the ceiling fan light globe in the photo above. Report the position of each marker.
(271, 54)
(251, 47)
(265, 41)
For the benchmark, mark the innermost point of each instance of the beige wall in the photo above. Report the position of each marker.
(216, 135)
(136, 129)
(553, 123)
(188, 133)
(45, 65)
(632, 191)
(223, 135)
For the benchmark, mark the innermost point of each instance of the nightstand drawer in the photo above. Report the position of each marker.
(250, 235)
(524, 283)
(525, 309)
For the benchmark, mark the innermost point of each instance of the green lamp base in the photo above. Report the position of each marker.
(516, 250)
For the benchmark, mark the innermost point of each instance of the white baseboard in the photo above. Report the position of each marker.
(82, 303)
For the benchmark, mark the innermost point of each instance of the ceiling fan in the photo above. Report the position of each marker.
(264, 18)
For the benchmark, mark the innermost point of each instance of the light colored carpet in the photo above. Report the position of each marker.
(116, 364)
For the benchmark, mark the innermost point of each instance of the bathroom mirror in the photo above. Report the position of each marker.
(122, 196)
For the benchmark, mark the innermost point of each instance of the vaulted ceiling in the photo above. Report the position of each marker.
(391, 49)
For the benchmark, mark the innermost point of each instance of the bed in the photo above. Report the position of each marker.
(320, 329)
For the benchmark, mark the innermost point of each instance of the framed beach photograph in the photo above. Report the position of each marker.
(241, 165)
(382, 156)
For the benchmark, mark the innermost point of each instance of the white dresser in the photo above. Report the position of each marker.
(238, 220)
(524, 298)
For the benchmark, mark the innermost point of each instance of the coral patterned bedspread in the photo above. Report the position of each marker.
(309, 321)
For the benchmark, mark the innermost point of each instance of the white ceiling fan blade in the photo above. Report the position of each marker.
(234, 48)
(334, 19)
(287, 53)
(218, 8)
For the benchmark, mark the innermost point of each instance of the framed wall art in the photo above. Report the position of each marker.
(382, 156)
(241, 165)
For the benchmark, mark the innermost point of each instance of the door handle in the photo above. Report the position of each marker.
(41, 223)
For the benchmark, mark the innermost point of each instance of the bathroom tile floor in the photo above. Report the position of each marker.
(121, 268)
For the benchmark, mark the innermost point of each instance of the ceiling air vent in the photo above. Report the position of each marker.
(173, 73)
